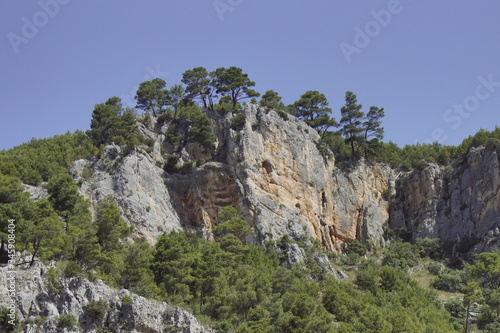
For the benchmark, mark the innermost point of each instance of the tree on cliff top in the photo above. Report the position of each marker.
(198, 85)
(234, 83)
(313, 108)
(352, 121)
(152, 96)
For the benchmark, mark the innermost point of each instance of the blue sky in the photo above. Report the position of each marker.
(433, 66)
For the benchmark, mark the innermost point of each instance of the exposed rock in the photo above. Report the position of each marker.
(452, 204)
(271, 171)
(138, 186)
(297, 255)
(289, 187)
(36, 192)
(36, 301)
(361, 206)
(294, 255)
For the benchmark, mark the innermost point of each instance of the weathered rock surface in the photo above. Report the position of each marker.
(271, 171)
(360, 197)
(456, 204)
(295, 255)
(42, 306)
(138, 186)
(36, 192)
(274, 174)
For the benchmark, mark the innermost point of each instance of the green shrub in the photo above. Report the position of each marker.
(430, 247)
(282, 114)
(146, 120)
(97, 309)
(448, 280)
(72, 269)
(53, 279)
(171, 163)
(186, 167)
(149, 142)
(356, 247)
(5, 320)
(434, 268)
(238, 121)
(127, 300)
(66, 321)
(86, 173)
(400, 255)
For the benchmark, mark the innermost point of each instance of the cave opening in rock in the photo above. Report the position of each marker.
(268, 166)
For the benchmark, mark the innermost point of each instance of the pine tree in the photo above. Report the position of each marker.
(234, 83)
(152, 96)
(373, 130)
(351, 122)
(271, 100)
(313, 108)
(198, 86)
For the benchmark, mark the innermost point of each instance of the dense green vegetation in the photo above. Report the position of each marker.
(41, 159)
(242, 288)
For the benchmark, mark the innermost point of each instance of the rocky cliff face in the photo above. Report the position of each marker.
(460, 204)
(271, 171)
(274, 174)
(40, 306)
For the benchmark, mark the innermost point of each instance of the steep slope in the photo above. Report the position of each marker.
(460, 204)
(42, 302)
(271, 171)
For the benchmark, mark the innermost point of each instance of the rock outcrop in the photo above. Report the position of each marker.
(138, 186)
(459, 204)
(271, 170)
(41, 304)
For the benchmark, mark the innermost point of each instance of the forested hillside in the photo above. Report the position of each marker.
(249, 251)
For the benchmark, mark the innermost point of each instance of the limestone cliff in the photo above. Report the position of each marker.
(459, 204)
(41, 303)
(271, 171)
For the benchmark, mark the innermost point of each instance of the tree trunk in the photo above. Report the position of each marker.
(467, 319)
(36, 246)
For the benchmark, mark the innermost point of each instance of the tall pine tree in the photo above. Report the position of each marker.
(313, 108)
(373, 130)
(351, 122)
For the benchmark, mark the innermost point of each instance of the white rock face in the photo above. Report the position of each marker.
(271, 171)
(453, 204)
(35, 300)
(281, 184)
(138, 186)
(292, 189)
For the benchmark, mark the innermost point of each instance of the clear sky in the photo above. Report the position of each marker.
(433, 65)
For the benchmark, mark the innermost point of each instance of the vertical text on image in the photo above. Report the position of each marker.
(11, 272)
